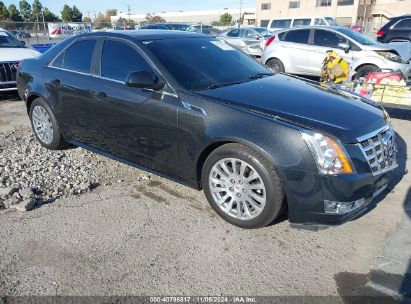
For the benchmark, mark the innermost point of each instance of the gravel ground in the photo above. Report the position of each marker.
(146, 235)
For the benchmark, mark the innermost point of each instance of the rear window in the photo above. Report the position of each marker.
(297, 36)
(403, 24)
(301, 22)
(77, 57)
(283, 23)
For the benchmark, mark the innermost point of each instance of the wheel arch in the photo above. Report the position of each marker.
(205, 153)
(30, 99)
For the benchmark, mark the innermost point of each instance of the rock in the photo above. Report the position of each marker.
(6, 191)
(26, 192)
(25, 205)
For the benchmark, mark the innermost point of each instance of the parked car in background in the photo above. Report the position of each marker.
(194, 109)
(398, 29)
(285, 23)
(12, 52)
(250, 40)
(208, 30)
(170, 26)
(301, 51)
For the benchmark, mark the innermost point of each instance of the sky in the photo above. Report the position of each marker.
(139, 6)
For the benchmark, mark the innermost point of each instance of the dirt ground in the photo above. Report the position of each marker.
(157, 237)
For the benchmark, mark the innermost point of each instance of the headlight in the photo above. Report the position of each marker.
(391, 56)
(328, 153)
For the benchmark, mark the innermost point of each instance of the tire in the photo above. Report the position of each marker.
(235, 202)
(276, 65)
(42, 118)
(365, 70)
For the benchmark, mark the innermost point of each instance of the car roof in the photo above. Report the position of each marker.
(168, 23)
(147, 34)
(321, 27)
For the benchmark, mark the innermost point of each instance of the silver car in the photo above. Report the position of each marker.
(302, 50)
(250, 40)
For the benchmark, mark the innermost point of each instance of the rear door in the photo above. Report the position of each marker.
(324, 41)
(252, 42)
(295, 43)
(69, 79)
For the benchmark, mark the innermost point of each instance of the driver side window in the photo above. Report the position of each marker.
(120, 59)
(328, 39)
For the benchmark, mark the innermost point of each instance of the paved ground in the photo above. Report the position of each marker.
(158, 237)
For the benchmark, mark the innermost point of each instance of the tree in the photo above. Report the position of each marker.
(36, 9)
(71, 14)
(77, 15)
(14, 13)
(153, 18)
(103, 21)
(86, 19)
(49, 16)
(4, 12)
(25, 9)
(225, 19)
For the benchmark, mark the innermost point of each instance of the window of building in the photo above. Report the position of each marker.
(294, 4)
(323, 3)
(345, 2)
(301, 22)
(114, 66)
(265, 6)
(77, 57)
(264, 23)
(297, 36)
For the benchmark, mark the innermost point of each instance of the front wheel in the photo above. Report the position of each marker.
(242, 186)
(365, 70)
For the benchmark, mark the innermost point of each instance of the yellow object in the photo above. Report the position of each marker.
(391, 91)
(334, 69)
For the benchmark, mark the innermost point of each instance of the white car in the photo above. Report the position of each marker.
(12, 52)
(302, 50)
(289, 22)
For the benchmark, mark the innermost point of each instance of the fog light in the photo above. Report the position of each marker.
(332, 207)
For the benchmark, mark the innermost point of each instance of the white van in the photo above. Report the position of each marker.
(285, 23)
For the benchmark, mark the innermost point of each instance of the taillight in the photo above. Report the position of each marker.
(269, 41)
(380, 33)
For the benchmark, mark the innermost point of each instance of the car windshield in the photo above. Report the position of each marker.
(358, 37)
(7, 40)
(263, 32)
(202, 63)
(331, 21)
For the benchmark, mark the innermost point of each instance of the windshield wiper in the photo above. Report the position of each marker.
(220, 85)
(260, 75)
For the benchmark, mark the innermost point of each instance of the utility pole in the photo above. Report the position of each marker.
(129, 12)
(239, 19)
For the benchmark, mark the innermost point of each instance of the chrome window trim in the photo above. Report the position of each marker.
(72, 71)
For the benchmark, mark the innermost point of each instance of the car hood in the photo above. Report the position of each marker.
(332, 111)
(400, 48)
(17, 54)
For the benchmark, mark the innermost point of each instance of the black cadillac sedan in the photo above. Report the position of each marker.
(193, 109)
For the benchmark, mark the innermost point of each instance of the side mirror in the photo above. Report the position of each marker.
(257, 37)
(344, 46)
(144, 80)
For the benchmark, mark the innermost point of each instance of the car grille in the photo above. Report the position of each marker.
(8, 71)
(380, 150)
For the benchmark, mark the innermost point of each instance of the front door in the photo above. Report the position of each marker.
(140, 125)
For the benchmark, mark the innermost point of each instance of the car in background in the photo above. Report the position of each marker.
(301, 51)
(12, 52)
(208, 30)
(196, 110)
(170, 26)
(398, 29)
(250, 40)
(285, 23)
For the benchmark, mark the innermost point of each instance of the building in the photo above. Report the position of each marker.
(194, 17)
(346, 12)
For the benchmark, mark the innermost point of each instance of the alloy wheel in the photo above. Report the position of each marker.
(42, 125)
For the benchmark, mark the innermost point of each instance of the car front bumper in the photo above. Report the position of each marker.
(306, 204)
(405, 68)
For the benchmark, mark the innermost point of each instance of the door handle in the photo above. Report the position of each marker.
(101, 96)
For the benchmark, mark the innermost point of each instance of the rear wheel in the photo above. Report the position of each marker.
(276, 65)
(45, 126)
(364, 70)
(242, 186)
